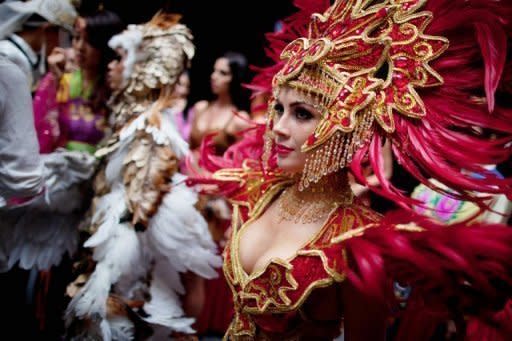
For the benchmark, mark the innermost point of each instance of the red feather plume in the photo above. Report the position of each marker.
(453, 271)
(440, 144)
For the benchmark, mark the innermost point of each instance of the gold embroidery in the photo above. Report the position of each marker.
(252, 182)
(352, 233)
(411, 227)
(277, 300)
(316, 203)
(277, 290)
(238, 331)
(266, 308)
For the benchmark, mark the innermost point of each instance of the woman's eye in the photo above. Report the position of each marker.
(224, 73)
(303, 114)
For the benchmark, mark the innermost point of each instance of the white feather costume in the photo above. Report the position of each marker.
(37, 234)
(148, 230)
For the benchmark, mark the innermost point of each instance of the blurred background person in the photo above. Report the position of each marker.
(21, 178)
(70, 105)
(21, 167)
(217, 115)
(28, 30)
(180, 105)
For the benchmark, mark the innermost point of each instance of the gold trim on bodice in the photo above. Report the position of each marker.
(270, 289)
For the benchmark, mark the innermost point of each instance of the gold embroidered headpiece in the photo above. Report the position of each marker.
(360, 64)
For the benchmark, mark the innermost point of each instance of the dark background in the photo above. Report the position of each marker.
(217, 26)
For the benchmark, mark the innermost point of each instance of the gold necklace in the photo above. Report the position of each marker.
(315, 202)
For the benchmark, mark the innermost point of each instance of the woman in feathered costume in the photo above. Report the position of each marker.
(148, 237)
(305, 257)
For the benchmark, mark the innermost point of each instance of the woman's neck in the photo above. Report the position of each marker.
(315, 202)
(334, 186)
(223, 100)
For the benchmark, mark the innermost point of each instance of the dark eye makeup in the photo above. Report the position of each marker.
(303, 114)
(300, 113)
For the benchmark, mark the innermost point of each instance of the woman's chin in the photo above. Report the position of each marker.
(288, 166)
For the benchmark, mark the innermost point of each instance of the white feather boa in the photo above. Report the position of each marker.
(38, 233)
(176, 240)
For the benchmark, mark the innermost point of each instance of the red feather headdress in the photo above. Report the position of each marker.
(423, 74)
(440, 65)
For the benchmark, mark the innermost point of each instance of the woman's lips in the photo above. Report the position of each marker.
(283, 150)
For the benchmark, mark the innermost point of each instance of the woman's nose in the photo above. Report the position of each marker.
(281, 127)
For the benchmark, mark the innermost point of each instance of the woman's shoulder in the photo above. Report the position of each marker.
(241, 121)
(200, 106)
(350, 217)
(247, 187)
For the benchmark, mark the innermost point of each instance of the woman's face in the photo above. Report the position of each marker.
(295, 120)
(221, 76)
(115, 74)
(182, 88)
(87, 56)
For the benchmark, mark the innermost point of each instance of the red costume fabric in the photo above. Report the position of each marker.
(422, 74)
(274, 297)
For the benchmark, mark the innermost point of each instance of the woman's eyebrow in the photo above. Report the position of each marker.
(298, 103)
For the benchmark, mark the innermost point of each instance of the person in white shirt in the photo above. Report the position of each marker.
(21, 169)
(29, 29)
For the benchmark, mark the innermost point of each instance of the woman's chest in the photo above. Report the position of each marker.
(282, 282)
(271, 238)
(210, 120)
(284, 285)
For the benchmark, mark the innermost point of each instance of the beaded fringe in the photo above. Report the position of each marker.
(336, 153)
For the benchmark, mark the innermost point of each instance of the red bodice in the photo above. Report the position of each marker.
(270, 301)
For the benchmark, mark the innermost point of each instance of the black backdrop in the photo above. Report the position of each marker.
(218, 26)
